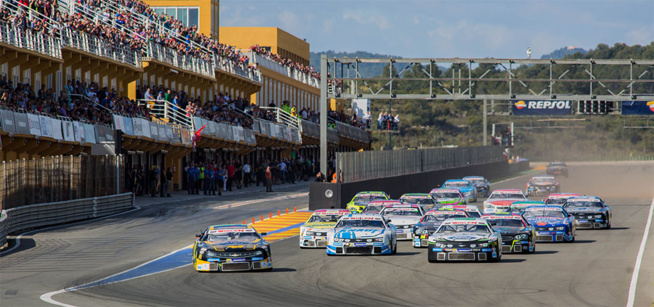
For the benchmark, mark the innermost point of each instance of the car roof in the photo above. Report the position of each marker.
(363, 216)
(561, 195)
(444, 210)
(584, 198)
(403, 206)
(230, 226)
(528, 202)
(464, 207)
(545, 207)
(415, 194)
(371, 192)
(456, 180)
(385, 202)
(507, 190)
(473, 177)
(502, 215)
(445, 190)
(465, 221)
(331, 212)
(543, 176)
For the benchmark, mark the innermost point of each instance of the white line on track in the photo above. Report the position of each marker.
(639, 259)
(249, 202)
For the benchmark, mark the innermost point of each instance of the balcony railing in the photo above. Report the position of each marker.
(164, 109)
(30, 40)
(283, 70)
(233, 68)
(186, 62)
(96, 45)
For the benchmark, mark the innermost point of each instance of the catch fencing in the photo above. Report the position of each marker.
(363, 165)
(59, 178)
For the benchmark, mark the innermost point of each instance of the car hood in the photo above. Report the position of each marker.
(234, 245)
(358, 233)
(404, 220)
(540, 184)
(429, 226)
(585, 210)
(463, 237)
(450, 201)
(547, 221)
(319, 225)
(502, 202)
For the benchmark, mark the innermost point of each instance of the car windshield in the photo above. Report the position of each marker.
(324, 218)
(544, 213)
(506, 195)
(476, 181)
(232, 236)
(445, 195)
(364, 199)
(473, 214)
(542, 180)
(557, 164)
(360, 223)
(516, 209)
(556, 201)
(505, 222)
(456, 184)
(433, 218)
(418, 201)
(401, 212)
(476, 228)
(375, 208)
(584, 204)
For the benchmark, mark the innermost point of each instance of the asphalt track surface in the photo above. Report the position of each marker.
(594, 271)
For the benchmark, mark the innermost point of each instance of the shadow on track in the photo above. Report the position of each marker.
(546, 252)
(407, 253)
(512, 260)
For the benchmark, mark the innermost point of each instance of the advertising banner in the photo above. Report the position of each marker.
(22, 123)
(56, 129)
(145, 127)
(541, 107)
(34, 124)
(118, 122)
(78, 132)
(7, 121)
(88, 133)
(638, 108)
(128, 128)
(69, 134)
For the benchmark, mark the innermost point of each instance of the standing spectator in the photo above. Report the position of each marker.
(246, 174)
(230, 175)
(154, 176)
(396, 122)
(380, 120)
(219, 178)
(238, 174)
(259, 172)
(201, 182)
(191, 178)
(268, 179)
(163, 182)
(169, 180)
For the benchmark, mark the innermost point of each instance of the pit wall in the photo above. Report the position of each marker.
(337, 195)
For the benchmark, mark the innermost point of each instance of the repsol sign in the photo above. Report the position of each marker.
(541, 107)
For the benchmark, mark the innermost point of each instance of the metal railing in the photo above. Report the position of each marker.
(381, 164)
(281, 69)
(164, 109)
(286, 119)
(30, 40)
(349, 131)
(167, 55)
(41, 215)
(229, 66)
(98, 46)
(59, 178)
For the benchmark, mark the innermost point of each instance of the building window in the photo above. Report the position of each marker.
(187, 15)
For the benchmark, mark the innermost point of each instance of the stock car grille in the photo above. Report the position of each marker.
(359, 250)
(242, 266)
(543, 238)
(311, 243)
(545, 228)
(461, 256)
(214, 254)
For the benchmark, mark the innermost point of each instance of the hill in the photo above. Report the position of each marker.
(562, 52)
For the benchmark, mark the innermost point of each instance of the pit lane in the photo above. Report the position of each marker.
(595, 270)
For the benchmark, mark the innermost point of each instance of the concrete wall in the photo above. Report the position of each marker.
(342, 193)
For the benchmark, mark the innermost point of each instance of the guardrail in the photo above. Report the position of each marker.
(96, 45)
(364, 165)
(164, 109)
(229, 66)
(281, 69)
(41, 215)
(189, 63)
(29, 40)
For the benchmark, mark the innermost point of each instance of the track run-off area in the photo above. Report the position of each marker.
(141, 258)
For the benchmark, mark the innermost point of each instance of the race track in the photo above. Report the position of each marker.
(594, 271)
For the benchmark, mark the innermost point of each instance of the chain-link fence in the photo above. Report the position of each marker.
(59, 178)
(364, 165)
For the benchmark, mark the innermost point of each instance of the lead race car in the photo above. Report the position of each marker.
(430, 222)
(363, 234)
(362, 199)
(501, 200)
(542, 185)
(589, 212)
(231, 248)
(403, 217)
(479, 182)
(517, 235)
(466, 188)
(447, 197)
(465, 239)
(319, 226)
(552, 223)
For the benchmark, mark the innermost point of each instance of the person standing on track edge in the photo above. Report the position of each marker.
(230, 175)
(268, 179)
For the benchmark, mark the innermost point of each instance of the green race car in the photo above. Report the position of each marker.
(361, 200)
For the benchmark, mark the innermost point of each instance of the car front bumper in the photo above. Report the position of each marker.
(462, 254)
(313, 241)
(553, 236)
(517, 247)
(375, 248)
(232, 264)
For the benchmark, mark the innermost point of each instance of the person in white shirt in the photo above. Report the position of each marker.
(148, 95)
(380, 119)
(246, 174)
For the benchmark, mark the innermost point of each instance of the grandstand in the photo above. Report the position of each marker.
(121, 77)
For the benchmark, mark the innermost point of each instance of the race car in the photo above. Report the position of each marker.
(559, 198)
(479, 182)
(231, 248)
(403, 217)
(500, 200)
(518, 207)
(447, 197)
(362, 234)
(472, 210)
(423, 199)
(465, 239)
(589, 212)
(557, 168)
(319, 226)
(375, 207)
(542, 185)
(430, 222)
(552, 223)
(517, 235)
(361, 199)
(466, 188)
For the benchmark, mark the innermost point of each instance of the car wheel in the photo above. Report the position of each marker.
(608, 223)
(394, 249)
(430, 258)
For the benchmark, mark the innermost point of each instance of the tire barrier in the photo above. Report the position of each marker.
(49, 214)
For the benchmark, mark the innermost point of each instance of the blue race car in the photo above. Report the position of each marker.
(482, 185)
(466, 188)
(363, 234)
(552, 223)
(589, 212)
(517, 235)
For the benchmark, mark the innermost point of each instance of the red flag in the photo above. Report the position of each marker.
(196, 136)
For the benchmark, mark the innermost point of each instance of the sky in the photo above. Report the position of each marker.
(450, 28)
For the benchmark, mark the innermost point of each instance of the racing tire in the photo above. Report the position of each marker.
(394, 251)
(499, 257)
(431, 259)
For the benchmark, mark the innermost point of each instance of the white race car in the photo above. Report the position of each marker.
(501, 200)
(320, 226)
(362, 234)
(403, 217)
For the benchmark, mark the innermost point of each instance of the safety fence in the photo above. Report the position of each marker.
(27, 39)
(55, 213)
(364, 165)
(98, 46)
(277, 131)
(59, 178)
(189, 63)
(312, 129)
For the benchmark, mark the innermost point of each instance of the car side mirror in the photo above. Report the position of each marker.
(264, 234)
(388, 221)
(198, 236)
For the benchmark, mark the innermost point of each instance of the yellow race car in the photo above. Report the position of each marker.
(361, 200)
(231, 248)
(317, 229)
